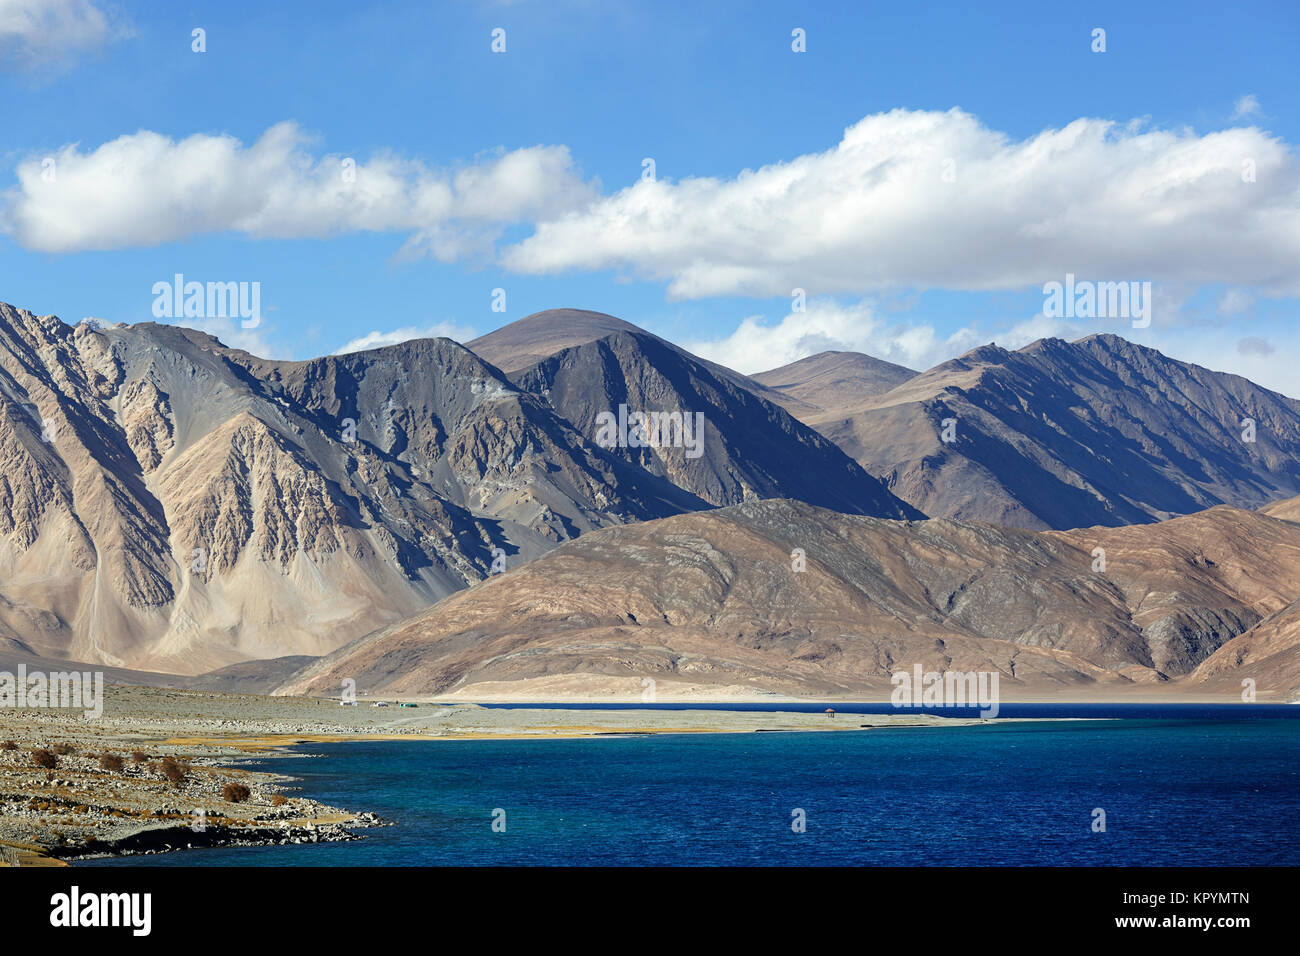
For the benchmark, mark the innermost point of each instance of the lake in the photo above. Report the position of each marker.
(1197, 786)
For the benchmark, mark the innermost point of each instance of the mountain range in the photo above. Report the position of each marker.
(780, 596)
(1064, 435)
(436, 515)
(170, 503)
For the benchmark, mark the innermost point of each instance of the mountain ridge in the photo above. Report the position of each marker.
(750, 443)
(168, 503)
(1061, 435)
(713, 599)
(219, 507)
(823, 383)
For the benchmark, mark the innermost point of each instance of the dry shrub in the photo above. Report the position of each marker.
(278, 800)
(139, 756)
(172, 770)
(63, 749)
(110, 762)
(45, 759)
(236, 792)
(8, 745)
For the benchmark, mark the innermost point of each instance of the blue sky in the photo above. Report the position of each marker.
(523, 170)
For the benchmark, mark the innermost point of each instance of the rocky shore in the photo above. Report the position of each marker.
(69, 792)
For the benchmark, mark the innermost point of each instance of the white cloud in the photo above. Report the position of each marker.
(145, 189)
(1247, 105)
(827, 325)
(1095, 198)
(1234, 302)
(377, 339)
(52, 33)
(755, 346)
(875, 212)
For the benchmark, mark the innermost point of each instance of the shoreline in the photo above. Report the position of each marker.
(1135, 696)
(85, 807)
(82, 805)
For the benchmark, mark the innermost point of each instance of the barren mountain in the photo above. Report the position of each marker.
(714, 602)
(169, 503)
(246, 677)
(1062, 435)
(1268, 653)
(741, 447)
(1287, 509)
(831, 384)
(534, 338)
(1264, 659)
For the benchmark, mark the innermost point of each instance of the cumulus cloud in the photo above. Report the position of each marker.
(53, 33)
(937, 199)
(377, 339)
(906, 199)
(145, 188)
(830, 326)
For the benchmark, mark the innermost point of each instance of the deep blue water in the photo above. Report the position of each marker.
(1049, 711)
(1208, 791)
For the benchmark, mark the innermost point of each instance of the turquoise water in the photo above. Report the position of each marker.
(1206, 791)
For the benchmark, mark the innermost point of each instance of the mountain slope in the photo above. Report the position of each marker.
(710, 602)
(196, 506)
(1269, 653)
(1264, 659)
(830, 384)
(1288, 509)
(744, 447)
(463, 430)
(1063, 435)
(535, 338)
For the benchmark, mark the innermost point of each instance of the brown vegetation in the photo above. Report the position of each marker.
(45, 759)
(111, 762)
(172, 770)
(235, 792)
